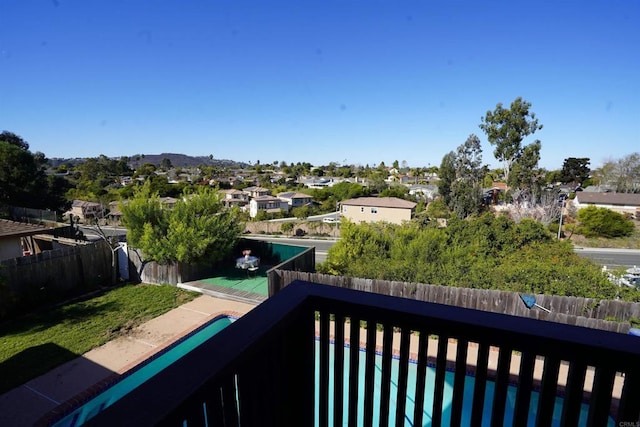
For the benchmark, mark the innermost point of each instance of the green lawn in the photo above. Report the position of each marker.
(32, 345)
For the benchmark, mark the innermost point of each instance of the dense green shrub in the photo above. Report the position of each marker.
(603, 222)
(486, 252)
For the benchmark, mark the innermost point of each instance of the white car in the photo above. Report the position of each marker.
(330, 220)
(631, 280)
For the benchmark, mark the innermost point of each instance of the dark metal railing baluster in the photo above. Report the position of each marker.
(403, 373)
(298, 373)
(214, 408)
(423, 346)
(369, 373)
(458, 382)
(323, 398)
(385, 381)
(501, 387)
(548, 391)
(525, 386)
(338, 370)
(480, 384)
(354, 367)
(574, 392)
(438, 389)
(600, 402)
(229, 403)
(628, 408)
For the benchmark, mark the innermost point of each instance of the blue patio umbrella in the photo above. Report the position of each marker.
(530, 302)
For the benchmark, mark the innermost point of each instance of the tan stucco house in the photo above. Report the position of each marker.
(84, 210)
(234, 198)
(374, 209)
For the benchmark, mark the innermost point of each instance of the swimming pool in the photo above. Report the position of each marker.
(138, 376)
(429, 393)
(106, 398)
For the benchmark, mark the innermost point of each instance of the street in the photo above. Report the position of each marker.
(612, 258)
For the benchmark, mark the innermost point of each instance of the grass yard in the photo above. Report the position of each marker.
(33, 345)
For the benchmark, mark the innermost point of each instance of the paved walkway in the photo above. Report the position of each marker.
(25, 405)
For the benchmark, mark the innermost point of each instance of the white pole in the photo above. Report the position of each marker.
(560, 226)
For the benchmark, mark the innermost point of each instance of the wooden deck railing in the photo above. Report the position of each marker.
(263, 370)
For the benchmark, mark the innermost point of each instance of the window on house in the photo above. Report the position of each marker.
(374, 210)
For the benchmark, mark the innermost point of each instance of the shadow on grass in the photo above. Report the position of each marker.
(37, 322)
(31, 363)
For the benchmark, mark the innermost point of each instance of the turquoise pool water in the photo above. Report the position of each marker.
(97, 404)
(429, 392)
(105, 399)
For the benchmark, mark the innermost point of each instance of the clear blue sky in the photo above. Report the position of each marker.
(317, 81)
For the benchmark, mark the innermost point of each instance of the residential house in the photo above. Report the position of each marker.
(16, 238)
(254, 191)
(84, 210)
(268, 204)
(625, 203)
(427, 192)
(168, 202)
(374, 209)
(234, 197)
(115, 214)
(295, 200)
(235, 181)
(316, 182)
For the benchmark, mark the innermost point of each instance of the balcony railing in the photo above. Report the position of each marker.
(276, 367)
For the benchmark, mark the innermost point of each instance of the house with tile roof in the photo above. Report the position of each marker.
(375, 209)
(268, 204)
(254, 191)
(234, 197)
(84, 210)
(295, 200)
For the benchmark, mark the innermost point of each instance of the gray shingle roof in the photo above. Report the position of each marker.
(624, 199)
(19, 229)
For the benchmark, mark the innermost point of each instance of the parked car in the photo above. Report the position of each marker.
(630, 280)
(330, 220)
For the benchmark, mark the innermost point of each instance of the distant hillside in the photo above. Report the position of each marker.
(181, 160)
(177, 160)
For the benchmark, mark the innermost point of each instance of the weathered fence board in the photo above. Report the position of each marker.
(47, 276)
(587, 312)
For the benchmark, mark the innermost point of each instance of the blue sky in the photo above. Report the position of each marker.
(345, 81)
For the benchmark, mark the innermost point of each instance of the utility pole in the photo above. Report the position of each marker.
(560, 226)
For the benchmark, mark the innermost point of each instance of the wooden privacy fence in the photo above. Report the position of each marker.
(165, 274)
(42, 277)
(588, 312)
(304, 261)
(283, 256)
